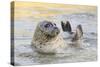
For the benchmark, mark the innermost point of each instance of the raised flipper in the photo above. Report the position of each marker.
(63, 25)
(78, 34)
(66, 26)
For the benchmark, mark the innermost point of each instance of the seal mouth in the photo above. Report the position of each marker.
(53, 33)
(50, 36)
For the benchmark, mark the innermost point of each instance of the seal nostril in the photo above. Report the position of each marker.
(55, 28)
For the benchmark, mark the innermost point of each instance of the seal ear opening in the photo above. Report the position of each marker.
(66, 26)
(78, 34)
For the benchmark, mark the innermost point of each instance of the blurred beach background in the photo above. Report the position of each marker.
(28, 14)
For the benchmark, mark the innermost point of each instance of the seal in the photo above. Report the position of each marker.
(46, 38)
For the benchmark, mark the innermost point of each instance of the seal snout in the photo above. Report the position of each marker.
(57, 31)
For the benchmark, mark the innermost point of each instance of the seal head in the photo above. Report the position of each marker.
(46, 38)
(49, 28)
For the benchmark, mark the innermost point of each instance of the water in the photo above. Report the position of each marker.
(24, 30)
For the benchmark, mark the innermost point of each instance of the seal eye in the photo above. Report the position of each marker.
(47, 25)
